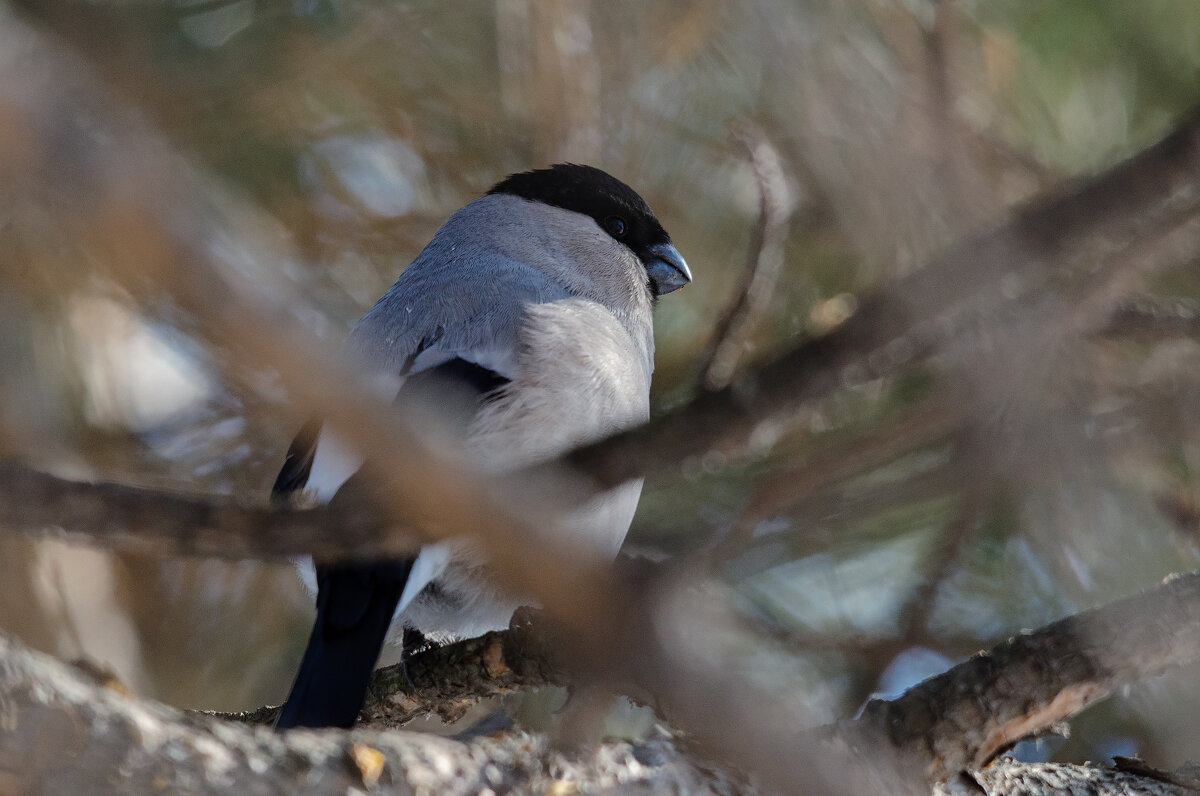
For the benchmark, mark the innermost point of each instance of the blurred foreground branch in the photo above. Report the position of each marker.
(135, 520)
(51, 713)
(1150, 319)
(904, 321)
(955, 722)
(920, 314)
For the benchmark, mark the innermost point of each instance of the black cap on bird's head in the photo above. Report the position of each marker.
(615, 207)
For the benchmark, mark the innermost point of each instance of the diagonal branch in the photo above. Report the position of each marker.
(883, 336)
(965, 717)
(908, 319)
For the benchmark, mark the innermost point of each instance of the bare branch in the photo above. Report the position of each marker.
(909, 319)
(818, 367)
(131, 519)
(1152, 319)
(450, 678)
(764, 260)
(63, 732)
(963, 718)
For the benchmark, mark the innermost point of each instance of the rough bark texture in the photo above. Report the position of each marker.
(62, 732)
(957, 721)
(451, 678)
(963, 718)
(1010, 778)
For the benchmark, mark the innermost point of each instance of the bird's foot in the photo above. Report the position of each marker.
(414, 642)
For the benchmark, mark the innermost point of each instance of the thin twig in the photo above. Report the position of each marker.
(787, 491)
(763, 263)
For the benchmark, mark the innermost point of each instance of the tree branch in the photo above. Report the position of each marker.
(452, 677)
(907, 319)
(764, 261)
(954, 722)
(62, 732)
(136, 520)
(1128, 195)
(963, 718)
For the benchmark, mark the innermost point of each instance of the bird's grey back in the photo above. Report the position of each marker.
(467, 291)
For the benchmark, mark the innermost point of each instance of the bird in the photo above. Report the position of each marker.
(525, 325)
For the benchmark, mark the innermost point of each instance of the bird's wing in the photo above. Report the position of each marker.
(456, 348)
(464, 304)
(356, 602)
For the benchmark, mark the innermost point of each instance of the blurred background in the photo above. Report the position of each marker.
(870, 539)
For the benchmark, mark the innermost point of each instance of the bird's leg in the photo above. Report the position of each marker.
(413, 642)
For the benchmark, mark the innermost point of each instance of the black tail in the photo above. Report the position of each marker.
(355, 604)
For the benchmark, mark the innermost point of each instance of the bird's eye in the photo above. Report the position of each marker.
(616, 226)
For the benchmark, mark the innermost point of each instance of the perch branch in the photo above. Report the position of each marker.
(450, 678)
(62, 731)
(955, 721)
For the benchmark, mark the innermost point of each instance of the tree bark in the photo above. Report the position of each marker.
(962, 719)
(63, 732)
